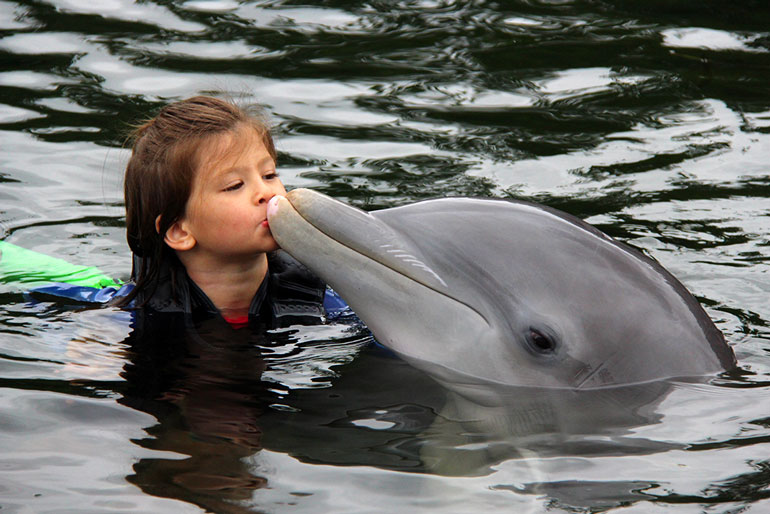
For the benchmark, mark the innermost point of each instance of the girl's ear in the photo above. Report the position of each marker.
(177, 236)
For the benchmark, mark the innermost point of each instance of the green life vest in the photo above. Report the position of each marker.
(29, 269)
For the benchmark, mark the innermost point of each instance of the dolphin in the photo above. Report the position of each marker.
(480, 292)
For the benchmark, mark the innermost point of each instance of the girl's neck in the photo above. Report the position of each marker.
(230, 286)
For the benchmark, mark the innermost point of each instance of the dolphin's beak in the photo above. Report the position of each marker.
(381, 275)
(272, 206)
(316, 214)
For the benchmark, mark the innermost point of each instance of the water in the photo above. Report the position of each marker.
(648, 119)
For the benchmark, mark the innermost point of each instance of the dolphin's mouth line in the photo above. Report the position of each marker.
(391, 268)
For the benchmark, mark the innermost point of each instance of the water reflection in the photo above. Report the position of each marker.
(218, 405)
(204, 387)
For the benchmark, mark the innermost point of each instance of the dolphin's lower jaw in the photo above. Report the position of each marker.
(408, 333)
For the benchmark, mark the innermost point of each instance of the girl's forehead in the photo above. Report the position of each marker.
(218, 151)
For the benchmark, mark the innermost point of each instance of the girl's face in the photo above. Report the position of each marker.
(227, 209)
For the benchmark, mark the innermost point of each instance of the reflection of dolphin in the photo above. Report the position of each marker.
(382, 412)
(478, 292)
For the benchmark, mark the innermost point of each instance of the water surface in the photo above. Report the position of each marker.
(648, 119)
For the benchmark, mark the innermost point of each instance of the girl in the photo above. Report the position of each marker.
(196, 189)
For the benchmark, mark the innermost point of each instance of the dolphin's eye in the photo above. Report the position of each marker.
(540, 342)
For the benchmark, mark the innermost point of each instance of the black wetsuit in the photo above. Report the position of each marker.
(290, 294)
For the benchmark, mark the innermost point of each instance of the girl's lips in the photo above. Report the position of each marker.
(264, 223)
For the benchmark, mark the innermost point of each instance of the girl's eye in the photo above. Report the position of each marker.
(234, 187)
(270, 175)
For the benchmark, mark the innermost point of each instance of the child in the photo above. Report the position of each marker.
(196, 189)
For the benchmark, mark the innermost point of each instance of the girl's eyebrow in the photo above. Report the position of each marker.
(235, 169)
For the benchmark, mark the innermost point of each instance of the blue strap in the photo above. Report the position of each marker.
(80, 294)
(336, 308)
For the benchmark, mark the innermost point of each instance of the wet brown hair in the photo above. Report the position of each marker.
(160, 173)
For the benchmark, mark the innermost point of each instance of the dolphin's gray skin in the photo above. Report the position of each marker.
(479, 292)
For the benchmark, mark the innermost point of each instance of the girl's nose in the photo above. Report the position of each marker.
(262, 194)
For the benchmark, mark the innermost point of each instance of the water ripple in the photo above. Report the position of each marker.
(650, 120)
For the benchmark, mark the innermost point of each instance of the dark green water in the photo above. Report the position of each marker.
(649, 119)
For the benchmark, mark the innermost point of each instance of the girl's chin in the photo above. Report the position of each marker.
(272, 245)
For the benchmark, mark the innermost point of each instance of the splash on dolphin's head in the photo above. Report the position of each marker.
(493, 291)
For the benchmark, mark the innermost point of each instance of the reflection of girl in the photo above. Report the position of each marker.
(196, 188)
(205, 388)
